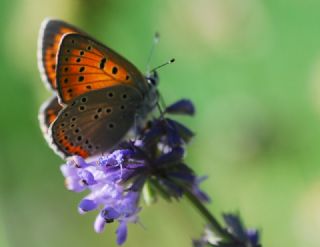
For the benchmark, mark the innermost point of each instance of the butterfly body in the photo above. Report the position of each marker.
(99, 94)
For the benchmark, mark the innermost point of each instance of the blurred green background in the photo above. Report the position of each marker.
(252, 67)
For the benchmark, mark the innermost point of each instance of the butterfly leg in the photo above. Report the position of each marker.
(136, 127)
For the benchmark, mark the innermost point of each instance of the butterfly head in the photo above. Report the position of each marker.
(153, 93)
(152, 76)
(153, 79)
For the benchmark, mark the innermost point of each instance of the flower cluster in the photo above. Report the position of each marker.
(236, 235)
(150, 165)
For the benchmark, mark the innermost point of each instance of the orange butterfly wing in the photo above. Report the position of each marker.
(73, 64)
(48, 113)
(50, 35)
(85, 65)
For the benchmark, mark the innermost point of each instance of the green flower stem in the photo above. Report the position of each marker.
(214, 224)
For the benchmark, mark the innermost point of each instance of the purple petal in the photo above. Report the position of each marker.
(108, 161)
(202, 196)
(110, 214)
(183, 106)
(115, 158)
(68, 170)
(154, 133)
(184, 133)
(99, 224)
(253, 236)
(135, 165)
(86, 177)
(173, 136)
(129, 206)
(78, 161)
(86, 205)
(128, 174)
(116, 175)
(131, 200)
(126, 153)
(122, 232)
(73, 184)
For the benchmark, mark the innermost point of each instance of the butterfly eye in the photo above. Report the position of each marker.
(153, 79)
(152, 82)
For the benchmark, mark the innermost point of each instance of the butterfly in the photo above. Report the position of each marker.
(98, 94)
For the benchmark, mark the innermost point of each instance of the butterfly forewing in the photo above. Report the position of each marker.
(85, 65)
(50, 35)
(96, 121)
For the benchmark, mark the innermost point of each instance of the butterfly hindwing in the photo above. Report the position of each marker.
(48, 113)
(50, 35)
(85, 65)
(95, 121)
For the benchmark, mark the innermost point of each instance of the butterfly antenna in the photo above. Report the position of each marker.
(172, 60)
(156, 39)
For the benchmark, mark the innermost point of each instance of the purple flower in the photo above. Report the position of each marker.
(115, 181)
